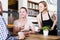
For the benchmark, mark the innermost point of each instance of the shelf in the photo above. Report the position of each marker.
(34, 22)
(32, 15)
(33, 5)
(33, 9)
(33, 2)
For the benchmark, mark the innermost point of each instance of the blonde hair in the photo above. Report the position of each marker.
(45, 4)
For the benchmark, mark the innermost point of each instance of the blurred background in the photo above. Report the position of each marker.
(11, 10)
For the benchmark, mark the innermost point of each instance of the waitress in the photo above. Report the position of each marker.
(46, 18)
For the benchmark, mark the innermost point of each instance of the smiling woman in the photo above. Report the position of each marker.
(23, 25)
(46, 18)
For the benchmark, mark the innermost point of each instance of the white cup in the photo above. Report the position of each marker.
(21, 35)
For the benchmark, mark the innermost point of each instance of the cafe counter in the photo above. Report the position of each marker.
(41, 37)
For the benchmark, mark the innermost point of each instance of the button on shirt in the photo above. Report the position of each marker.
(3, 29)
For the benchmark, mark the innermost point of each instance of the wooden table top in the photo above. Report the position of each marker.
(41, 37)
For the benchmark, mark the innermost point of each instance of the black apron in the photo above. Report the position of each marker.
(49, 23)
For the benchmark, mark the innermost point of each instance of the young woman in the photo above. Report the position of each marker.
(46, 18)
(3, 28)
(23, 25)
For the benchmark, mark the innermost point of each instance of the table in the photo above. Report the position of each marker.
(41, 37)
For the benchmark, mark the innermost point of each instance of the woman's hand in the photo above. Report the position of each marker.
(52, 28)
(26, 32)
(40, 28)
(22, 27)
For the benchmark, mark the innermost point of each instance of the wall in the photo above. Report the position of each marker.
(22, 3)
(58, 17)
(5, 8)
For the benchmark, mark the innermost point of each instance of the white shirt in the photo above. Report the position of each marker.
(26, 27)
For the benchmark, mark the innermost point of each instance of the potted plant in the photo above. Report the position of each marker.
(45, 30)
